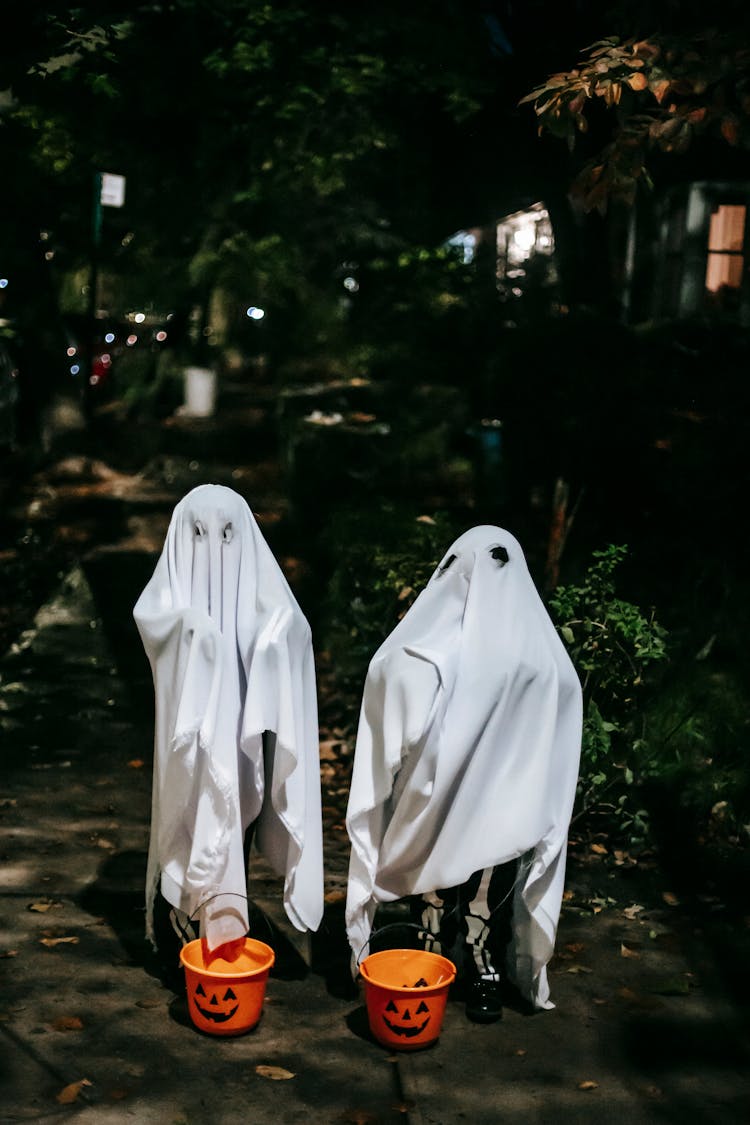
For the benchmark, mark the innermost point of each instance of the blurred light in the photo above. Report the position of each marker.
(49, 255)
(255, 313)
(71, 350)
(351, 284)
(109, 338)
(75, 369)
(106, 359)
(93, 380)
(161, 336)
(139, 318)
(3, 283)
(132, 339)
(525, 236)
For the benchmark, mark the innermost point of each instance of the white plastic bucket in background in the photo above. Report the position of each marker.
(200, 391)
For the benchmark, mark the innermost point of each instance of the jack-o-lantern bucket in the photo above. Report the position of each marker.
(406, 991)
(225, 997)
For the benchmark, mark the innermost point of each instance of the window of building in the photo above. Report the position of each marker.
(726, 242)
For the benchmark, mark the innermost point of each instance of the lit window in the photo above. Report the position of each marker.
(726, 239)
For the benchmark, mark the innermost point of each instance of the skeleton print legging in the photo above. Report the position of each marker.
(470, 923)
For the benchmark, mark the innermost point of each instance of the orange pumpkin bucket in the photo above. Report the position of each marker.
(225, 997)
(406, 991)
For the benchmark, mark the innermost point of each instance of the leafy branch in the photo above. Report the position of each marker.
(664, 91)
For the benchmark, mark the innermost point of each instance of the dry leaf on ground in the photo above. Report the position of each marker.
(633, 911)
(627, 951)
(70, 1093)
(68, 1023)
(50, 941)
(670, 898)
(276, 1073)
(588, 1084)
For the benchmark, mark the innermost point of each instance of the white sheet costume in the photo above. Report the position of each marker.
(231, 657)
(467, 751)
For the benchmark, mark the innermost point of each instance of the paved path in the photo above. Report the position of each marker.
(648, 1027)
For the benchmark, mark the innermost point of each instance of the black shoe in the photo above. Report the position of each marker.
(484, 1001)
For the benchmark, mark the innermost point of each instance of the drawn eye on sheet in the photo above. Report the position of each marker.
(500, 555)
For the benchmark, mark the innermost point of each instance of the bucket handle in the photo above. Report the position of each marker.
(395, 926)
(233, 894)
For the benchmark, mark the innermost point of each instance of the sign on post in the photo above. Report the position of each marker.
(113, 190)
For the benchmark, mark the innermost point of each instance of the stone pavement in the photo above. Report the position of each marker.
(649, 1027)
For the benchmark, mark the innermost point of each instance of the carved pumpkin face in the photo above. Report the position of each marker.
(408, 1020)
(219, 1007)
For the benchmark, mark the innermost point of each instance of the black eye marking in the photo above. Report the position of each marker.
(422, 1007)
(447, 563)
(200, 529)
(229, 995)
(391, 1007)
(227, 533)
(499, 554)
(200, 990)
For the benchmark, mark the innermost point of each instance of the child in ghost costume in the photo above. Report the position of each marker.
(236, 732)
(466, 765)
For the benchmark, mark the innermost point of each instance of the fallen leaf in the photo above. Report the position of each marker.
(334, 896)
(136, 764)
(627, 951)
(42, 907)
(106, 844)
(50, 941)
(574, 947)
(9, 953)
(579, 969)
(588, 1084)
(632, 912)
(68, 1023)
(670, 898)
(404, 1106)
(567, 896)
(70, 1093)
(599, 849)
(275, 1073)
(520, 1051)
(151, 1003)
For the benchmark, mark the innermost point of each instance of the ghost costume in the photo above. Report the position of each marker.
(236, 734)
(467, 752)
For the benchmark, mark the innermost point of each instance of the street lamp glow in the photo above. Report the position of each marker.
(255, 313)
(139, 318)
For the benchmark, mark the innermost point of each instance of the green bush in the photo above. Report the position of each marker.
(613, 646)
(381, 565)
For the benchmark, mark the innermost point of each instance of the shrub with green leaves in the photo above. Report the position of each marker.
(614, 646)
(381, 565)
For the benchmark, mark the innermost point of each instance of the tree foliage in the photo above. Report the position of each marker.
(663, 90)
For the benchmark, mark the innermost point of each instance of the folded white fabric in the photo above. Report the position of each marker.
(467, 750)
(236, 729)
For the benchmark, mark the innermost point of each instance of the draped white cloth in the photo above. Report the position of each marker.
(467, 751)
(231, 657)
